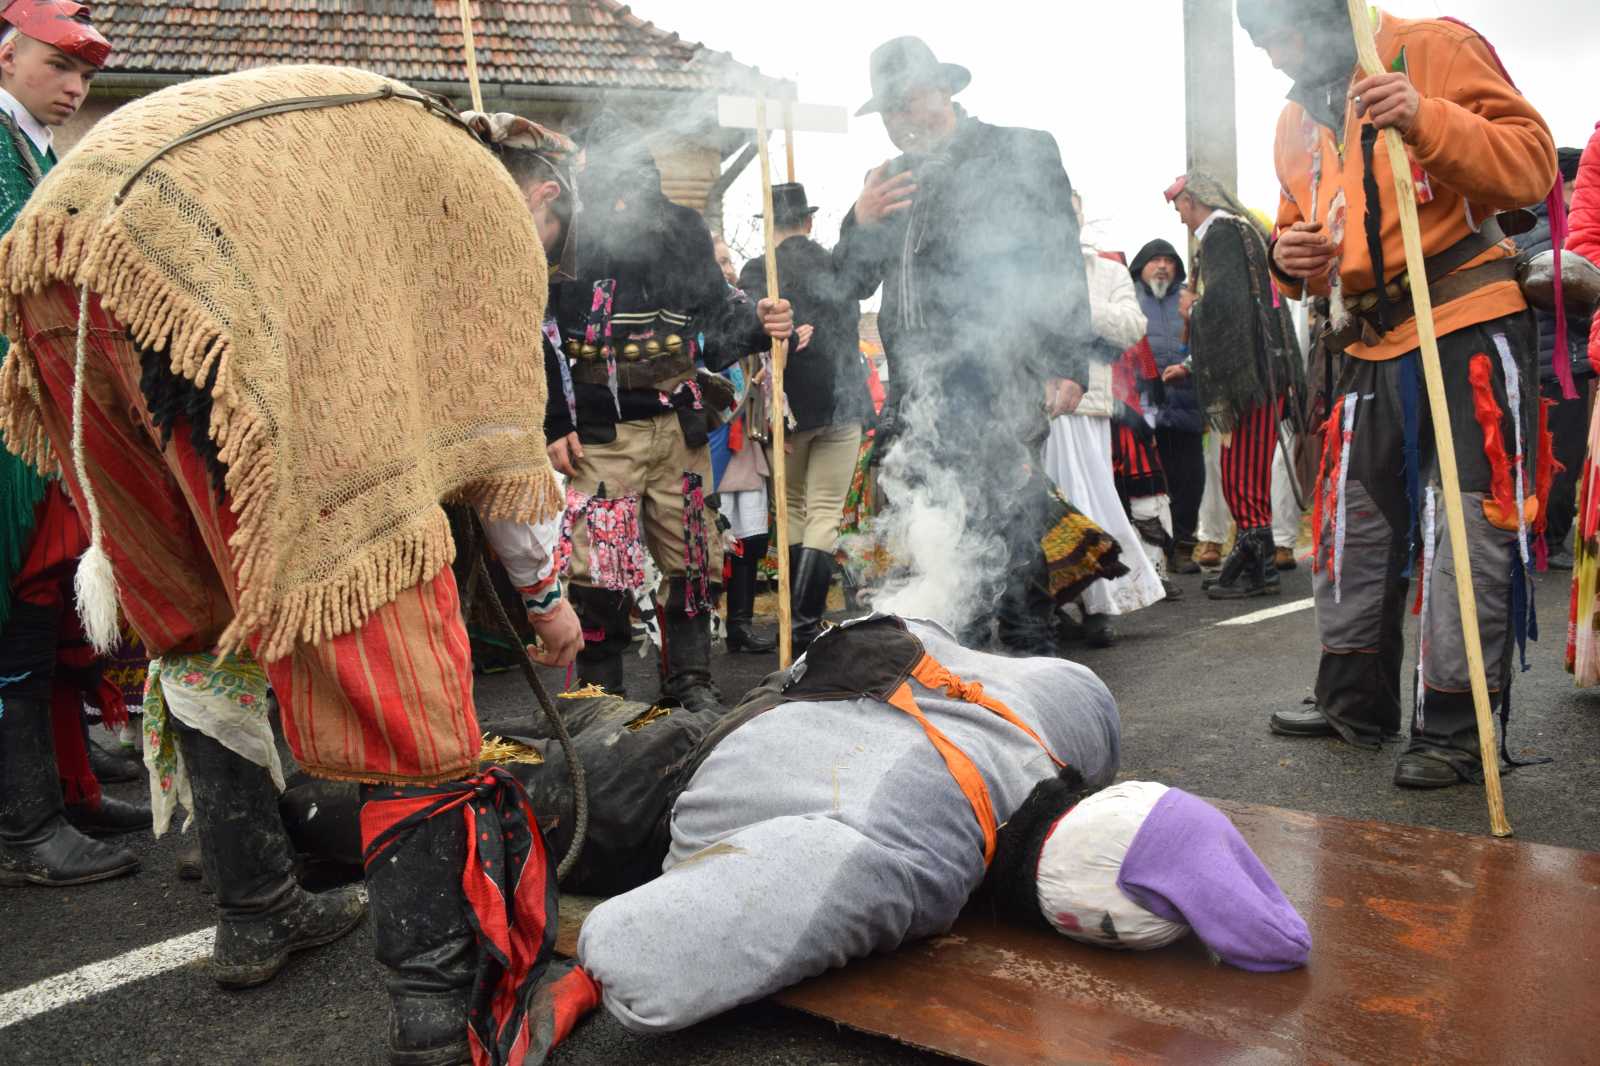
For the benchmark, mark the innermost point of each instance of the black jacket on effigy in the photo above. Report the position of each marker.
(667, 282)
(985, 293)
(1244, 348)
(825, 382)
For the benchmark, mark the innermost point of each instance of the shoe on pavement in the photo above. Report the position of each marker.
(1097, 630)
(1415, 770)
(109, 817)
(1208, 554)
(1560, 560)
(1306, 721)
(1174, 593)
(113, 767)
(1283, 559)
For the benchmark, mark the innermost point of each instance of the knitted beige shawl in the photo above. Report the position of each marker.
(368, 286)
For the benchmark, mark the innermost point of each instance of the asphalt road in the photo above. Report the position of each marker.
(1194, 698)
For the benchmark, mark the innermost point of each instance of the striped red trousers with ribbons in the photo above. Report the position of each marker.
(1247, 466)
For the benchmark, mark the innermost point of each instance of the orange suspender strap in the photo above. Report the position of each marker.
(932, 674)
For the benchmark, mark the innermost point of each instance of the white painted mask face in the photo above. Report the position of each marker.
(1079, 865)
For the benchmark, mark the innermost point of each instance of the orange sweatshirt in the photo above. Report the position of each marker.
(1477, 148)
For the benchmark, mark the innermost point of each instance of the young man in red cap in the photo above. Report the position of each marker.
(49, 54)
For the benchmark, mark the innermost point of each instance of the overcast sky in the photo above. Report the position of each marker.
(1105, 78)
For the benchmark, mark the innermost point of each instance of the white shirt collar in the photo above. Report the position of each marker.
(1200, 233)
(42, 136)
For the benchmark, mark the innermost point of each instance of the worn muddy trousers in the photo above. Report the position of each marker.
(1367, 504)
(820, 832)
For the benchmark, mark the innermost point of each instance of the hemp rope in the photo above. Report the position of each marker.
(95, 583)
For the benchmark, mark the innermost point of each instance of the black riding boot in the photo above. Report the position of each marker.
(421, 933)
(607, 631)
(742, 599)
(686, 654)
(810, 577)
(37, 845)
(264, 913)
(1025, 623)
(1244, 571)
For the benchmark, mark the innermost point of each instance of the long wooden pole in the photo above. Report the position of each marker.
(1428, 341)
(472, 54)
(780, 352)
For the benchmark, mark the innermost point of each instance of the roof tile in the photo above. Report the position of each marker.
(590, 43)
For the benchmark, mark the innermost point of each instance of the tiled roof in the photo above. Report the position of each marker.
(596, 44)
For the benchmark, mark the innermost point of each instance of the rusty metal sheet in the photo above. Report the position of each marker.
(1427, 946)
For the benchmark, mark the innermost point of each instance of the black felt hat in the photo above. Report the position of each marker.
(907, 63)
(789, 204)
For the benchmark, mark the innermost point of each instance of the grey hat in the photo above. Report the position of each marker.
(907, 63)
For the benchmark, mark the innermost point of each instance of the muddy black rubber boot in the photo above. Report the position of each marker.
(37, 844)
(607, 632)
(422, 935)
(810, 577)
(264, 913)
(742, 599)
(686, 654)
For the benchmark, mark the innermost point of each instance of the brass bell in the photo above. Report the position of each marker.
(573, 349)
(652, 348)
(631, 352)
(674, 343)
(589, 351)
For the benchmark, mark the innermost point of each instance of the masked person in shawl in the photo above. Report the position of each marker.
(1476, 148)
(48, 55)
(261, 459)
(627, 329)
(985, 320)
(1242, 351)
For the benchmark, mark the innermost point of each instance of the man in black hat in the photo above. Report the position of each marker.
(825, 386)
(985, 316)
(648, 303)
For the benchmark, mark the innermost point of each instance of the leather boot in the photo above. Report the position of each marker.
(742, 599)
(422, 935)
(607, 632)
(1025, 623)
(686, 654)
(37, 845)
(112, 767)
(109, 816)
(1244, 571)
(264, 913)
(810, 577)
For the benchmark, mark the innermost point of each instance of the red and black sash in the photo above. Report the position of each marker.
(510, 884)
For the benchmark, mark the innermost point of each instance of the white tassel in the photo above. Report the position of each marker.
(95, 585)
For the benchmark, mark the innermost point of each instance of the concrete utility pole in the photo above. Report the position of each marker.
(1208, 98)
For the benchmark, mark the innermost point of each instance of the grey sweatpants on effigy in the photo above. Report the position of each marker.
(821, 832)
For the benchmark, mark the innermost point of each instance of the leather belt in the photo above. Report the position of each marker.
(638, 374)
(1363, 325)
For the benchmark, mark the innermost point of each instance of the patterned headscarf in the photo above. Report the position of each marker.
(1212, 193)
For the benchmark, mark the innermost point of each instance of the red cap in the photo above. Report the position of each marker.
(61, 23)
(1176, 188)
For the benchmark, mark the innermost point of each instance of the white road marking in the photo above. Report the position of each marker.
(1271, 612)
(97, 977)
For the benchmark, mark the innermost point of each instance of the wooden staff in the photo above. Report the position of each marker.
(472, 57)
(780, 351)
(1444, 441)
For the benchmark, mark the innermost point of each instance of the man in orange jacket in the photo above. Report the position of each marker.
(1477, 149)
